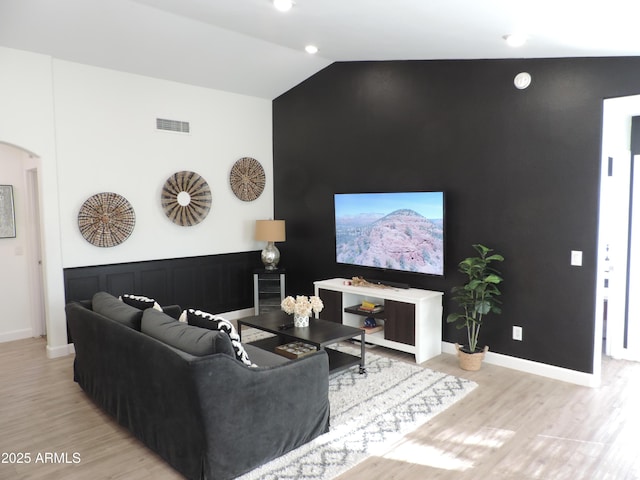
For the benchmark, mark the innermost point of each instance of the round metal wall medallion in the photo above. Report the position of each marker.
(186, 198)
(247, 179)
(106, 219)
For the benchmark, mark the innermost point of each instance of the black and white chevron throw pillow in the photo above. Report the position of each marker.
(140, 301)
(202, 319)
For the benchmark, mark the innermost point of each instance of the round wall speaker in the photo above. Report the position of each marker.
(522, 80)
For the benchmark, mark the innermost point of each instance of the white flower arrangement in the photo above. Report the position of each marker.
(302, 305)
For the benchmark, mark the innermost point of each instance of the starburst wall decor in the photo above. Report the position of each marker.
(186, 198)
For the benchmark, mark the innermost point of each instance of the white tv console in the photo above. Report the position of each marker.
(411, 318)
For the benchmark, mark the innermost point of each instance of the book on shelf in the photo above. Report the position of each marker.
(375, 308)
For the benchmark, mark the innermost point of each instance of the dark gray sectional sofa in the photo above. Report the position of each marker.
(181, 391)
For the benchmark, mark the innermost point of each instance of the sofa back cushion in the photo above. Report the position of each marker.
(193, 340)
(109, 306)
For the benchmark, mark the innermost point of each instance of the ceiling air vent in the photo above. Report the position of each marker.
(172, 125)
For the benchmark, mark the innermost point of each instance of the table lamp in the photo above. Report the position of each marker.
(270, 231)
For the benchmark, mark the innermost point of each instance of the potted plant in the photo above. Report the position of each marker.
(476, 298)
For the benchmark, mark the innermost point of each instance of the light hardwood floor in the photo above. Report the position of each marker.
(513, 426)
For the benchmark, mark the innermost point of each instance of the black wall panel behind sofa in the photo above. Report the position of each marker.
(213, 283)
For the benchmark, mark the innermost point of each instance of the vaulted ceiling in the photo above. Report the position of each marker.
(248, 47)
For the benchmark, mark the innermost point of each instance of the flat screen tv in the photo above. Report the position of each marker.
(401, 231)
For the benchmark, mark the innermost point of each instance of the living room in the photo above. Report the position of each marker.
(520, 168)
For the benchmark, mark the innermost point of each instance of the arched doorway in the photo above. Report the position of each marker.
(22, 296)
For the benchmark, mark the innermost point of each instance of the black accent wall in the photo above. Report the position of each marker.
(520, 170)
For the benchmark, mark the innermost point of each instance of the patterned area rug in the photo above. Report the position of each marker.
(368, 413)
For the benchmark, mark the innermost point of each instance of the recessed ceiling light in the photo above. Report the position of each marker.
(515, 39)
(283, 5)
(311, 49)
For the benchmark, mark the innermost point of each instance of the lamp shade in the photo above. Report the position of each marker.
(270, 230)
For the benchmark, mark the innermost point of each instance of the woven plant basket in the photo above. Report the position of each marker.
(470, 361)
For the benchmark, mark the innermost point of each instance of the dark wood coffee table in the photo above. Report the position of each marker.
(319, 333)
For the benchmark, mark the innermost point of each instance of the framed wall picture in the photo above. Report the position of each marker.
(7, 212)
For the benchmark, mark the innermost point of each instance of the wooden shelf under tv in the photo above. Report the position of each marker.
(371, 330)
(356, 310)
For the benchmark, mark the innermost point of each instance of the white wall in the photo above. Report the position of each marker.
(107, 142)
(27, 121)
(94, 131)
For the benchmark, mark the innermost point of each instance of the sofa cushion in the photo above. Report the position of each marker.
(193, 340)
(109, 306)
(202, 319)
(140, 301)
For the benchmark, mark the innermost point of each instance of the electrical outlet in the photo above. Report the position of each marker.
(576, 258)
(517, 333)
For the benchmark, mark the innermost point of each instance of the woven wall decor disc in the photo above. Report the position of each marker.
(106, 219)
(247, 179)
(186, 198)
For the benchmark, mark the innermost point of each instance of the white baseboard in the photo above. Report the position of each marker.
(626, 354)
(61, 351)
(16, 335)
(536, 368)
(236, 314)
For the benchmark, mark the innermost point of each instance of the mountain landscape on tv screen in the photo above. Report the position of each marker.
(401, 240)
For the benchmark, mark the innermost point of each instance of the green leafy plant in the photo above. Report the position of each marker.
(479, 296)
